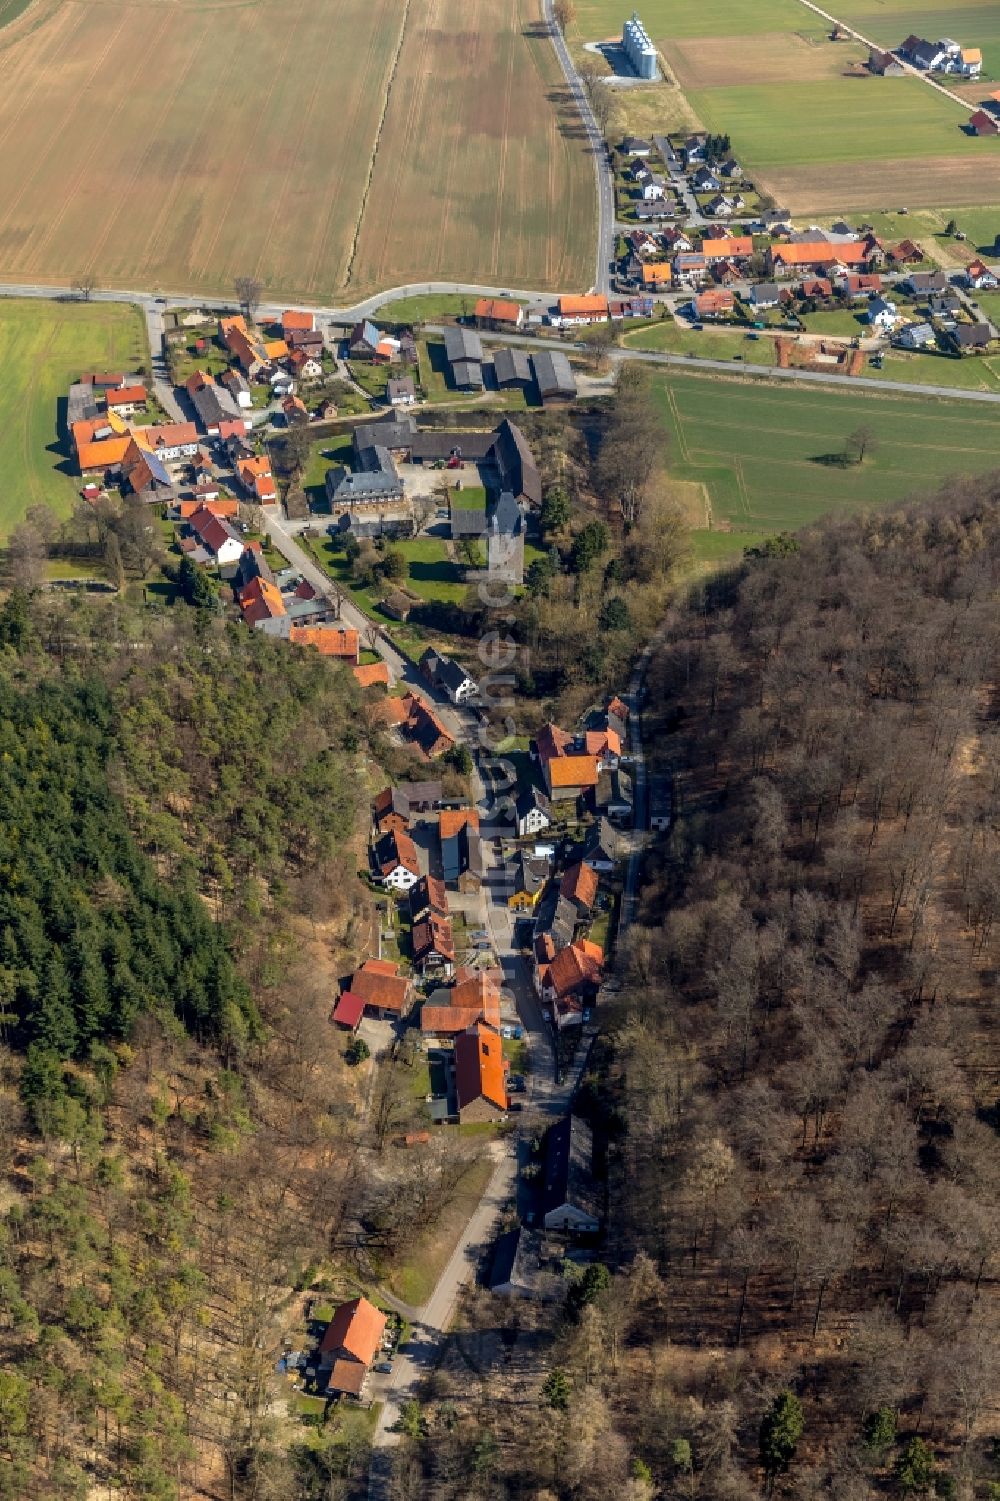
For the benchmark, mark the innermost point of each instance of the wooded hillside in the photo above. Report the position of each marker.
(805, 1071)
(796, 1093)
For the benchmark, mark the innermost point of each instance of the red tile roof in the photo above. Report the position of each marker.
(579, 964)
(480, 1067)
(261, 600)
(580, 884)
(371, 674)
(356, 1328)
(573, 771)
(291, 318)
(349, 1009)
(329, 641)
(452, 821)
(380, 984)
(433, 934)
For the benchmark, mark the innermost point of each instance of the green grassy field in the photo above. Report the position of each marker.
(665, 19)
(710, 344)
(927, 368)
(426, 306)
(769, 458)
(848, 121)
(891, 20)
(44, 347)
(432, 574)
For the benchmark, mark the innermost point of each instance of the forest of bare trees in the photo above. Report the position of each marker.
(797, 1094)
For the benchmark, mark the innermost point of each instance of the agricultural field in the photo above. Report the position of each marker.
(773, 459)
(44, 346)
(793, 100)
(256, 144)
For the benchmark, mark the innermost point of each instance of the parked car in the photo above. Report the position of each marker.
(384, 1367)
(546, 1015)
(515, 1105)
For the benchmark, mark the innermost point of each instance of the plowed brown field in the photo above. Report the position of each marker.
(174, 144)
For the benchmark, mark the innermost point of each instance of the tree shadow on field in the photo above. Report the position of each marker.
(839, 460)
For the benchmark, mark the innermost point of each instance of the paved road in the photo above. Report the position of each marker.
(602, 167)
(768, 372)
(877, 47)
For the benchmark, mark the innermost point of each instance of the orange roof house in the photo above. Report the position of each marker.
(579, 885)
(329, 641)
(568, 776)
(471, 998)
(602, 743)
(656, 274)
(224, 508)
(716, 300)
(574, 969)
(292, 319)
(372, 674)
(480, 1073)
(261, 600)
(350, 1344)
(817, 253)
(106, 454)
(126, 396)
(727, 247)
(497, 310)
(255, 476)
(382, 988)
(452, 821)
(433, 939)
(589, 308)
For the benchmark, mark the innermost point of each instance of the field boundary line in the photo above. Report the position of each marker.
(353, 252)
(325, 221)
(675, 411)
(414, 110)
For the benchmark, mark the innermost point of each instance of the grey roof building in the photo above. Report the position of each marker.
(554, 377)
(375, 480)
(512, 367)
(214, 404)
(505, 545)
(570, 1200)
(463, 350)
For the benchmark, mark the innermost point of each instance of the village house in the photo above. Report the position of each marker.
(579, 886)
(445, 673)
(473, 996)
(715, 303)
(580, 310)
(400, 391)
(600, 847)
(261, 603)
(532, 812)
(395, 861)
(385, 992)
(499, 314)
(433, 944)
(428, 898)
(968, 338)
(764, 294)
(570, 1201)
(257, 480)
(660, 800)
(420, 725)
(220, 540)
(126, 400)
(571, 980)
(884, 64)
(983, 123)
(882, 313)
(364, 340)
(979, 277)
(727, 247)
(512, 367)
(531, 876)
(349, 1347)
(915, 336)
(480, 1074)
(461, 848)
